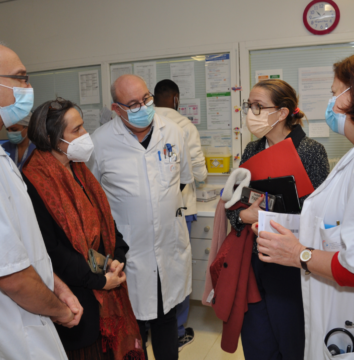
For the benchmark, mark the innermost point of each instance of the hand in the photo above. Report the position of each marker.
(64, 318)
(113, 266)
(115, 278)
(283, 248)
(74, 305)
(250, 215)
(255, 228)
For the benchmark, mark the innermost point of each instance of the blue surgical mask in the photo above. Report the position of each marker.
(334, 120)
(22, 106)
(15, 137)
(143, 118)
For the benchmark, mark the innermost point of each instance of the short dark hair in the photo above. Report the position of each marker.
(165, 89)
(47, 124)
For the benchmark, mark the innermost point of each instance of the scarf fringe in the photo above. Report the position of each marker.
(135, 355)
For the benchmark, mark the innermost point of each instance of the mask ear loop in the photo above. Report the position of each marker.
(274, 113)
(343, 92)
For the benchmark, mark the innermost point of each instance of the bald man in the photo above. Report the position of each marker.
(141, 160)
(30, 295)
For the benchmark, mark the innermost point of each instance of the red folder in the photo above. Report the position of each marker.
(279, 160)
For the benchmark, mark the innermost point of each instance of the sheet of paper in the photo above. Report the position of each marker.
(314, 90)
(119, 70)
(215, 138)
(289, 221)
(318, 130)
(269, 74)
(182, 74)
(218, 111)
(217, 73)
(91, 119)
(89, 87)
(191, 109)
(147, 70)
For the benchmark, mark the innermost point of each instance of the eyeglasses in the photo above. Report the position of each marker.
(255, 107)
(134, 108)
(17, 77)
(56, 104)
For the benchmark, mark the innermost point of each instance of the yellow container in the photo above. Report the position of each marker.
(218, 159)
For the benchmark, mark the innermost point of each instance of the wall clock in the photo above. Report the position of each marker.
(321, 17)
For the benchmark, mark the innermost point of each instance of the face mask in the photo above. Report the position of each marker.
(22, 106)
(258, 124)
(335, 121)
(175, 103)
(80, 149)
(15, 137)
(143, 118)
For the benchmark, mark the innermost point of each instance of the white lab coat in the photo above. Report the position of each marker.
(23, 335)
(144, 194)
(326, 304)
(199, 169)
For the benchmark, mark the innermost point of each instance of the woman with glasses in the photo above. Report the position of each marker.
(274, 327)
(75, 219)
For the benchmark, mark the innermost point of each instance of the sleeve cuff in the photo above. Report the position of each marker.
(341, 275)
(14, 268)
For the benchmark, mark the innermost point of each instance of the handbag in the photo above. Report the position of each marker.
(97, 262)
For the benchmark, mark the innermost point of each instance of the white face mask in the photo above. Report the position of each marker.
(80, 149)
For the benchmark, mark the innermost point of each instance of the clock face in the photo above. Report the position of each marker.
(321, 17)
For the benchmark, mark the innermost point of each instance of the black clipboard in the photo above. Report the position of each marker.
(281, 186)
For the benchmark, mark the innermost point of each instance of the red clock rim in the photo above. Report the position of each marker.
(331, 28)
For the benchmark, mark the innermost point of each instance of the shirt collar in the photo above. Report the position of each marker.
(135, 137)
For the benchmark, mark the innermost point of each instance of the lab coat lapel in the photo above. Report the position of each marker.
(157, 134)
(122, 131)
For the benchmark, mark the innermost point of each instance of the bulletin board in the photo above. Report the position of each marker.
(216, 137)
(290, 60)
(65, 83)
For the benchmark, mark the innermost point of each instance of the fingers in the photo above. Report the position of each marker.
(258, 201)
(281, 229)
(255, 228)
(119, 268)
(114, 265)
(122, 277)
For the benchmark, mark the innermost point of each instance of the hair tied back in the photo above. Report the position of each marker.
(297, 110)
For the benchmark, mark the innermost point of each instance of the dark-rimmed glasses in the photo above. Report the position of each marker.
(134, 108)
(255, 107)
(17, 77)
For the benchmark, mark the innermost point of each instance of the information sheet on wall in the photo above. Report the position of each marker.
(269, 74)
(182, 73)
(318, 130)
(89, 87)
(190, 108)
(91, 119)
(215, 138)
(147, 70)
(218, 83)
(119, 70)
(314, 90)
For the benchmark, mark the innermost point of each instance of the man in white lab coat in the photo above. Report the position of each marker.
(27, 282)
(167, 102)
(141, 159)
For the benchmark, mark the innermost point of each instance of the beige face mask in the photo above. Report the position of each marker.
(258, 125)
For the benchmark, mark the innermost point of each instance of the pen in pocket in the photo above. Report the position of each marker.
(159, 152)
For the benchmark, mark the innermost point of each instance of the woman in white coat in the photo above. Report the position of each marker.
(326, 244)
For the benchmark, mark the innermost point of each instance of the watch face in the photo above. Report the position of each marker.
(305, 255)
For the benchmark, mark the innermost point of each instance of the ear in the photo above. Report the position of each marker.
(116, 109)
(284, 112)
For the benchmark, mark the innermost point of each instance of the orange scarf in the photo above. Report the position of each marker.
(85, 222)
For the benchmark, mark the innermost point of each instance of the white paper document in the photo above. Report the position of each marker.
(119, 70)
(215, 138)
(217, 73)
(147, 70)
(314, 90)
(289, 221)
(318, 130)
(91, 119)
(190, 108)
(269, 74)
(183, 75)
(89, 87)
(218, 112)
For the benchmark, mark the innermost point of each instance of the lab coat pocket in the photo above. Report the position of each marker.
(331, 238)
(328, 356)
(43, 341)
(170, 172)
(181, 234)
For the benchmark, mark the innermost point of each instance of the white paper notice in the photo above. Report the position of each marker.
(91, 120)
(218, 112)
(215, 138)
(147, 70)
(314, 90)
(318, 130)
(269, 74)
(119, 70)
(191, 109)
(217, 73)
(89, 87)
(183, 75)
(289, 221)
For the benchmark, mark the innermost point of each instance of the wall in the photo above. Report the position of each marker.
(58, 33)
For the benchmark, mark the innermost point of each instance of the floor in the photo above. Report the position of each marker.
(206, 344)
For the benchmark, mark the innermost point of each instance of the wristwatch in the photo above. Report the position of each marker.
(239, 220)
(305, 257)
